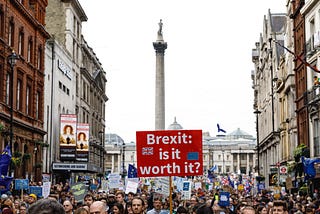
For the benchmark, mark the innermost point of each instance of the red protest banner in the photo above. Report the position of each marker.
(169, 153)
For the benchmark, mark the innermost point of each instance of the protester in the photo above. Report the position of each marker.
(279, 207)
(247, 210)
(182, 210)
(138, 205)
(81, 210)
(157, 205)
(120, 198)
(98, 207)
(88, 199)
(68, 207)
(32, 199)
(46, 206)
(118, 209)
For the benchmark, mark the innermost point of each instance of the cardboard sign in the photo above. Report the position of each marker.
(169, 153)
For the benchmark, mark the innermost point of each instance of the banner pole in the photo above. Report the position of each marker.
(170, 194)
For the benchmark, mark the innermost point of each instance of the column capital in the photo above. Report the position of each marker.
(160, 47)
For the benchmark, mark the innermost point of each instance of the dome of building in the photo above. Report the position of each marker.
(238, 133)
(175, 125)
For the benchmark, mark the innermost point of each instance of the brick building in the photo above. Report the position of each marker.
(22, 29)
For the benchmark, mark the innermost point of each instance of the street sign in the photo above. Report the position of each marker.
(169, 153)
(283, 169)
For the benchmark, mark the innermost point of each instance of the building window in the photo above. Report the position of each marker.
(74, 47)
(38, 105)
(78, 30)
(29, 54)
(227, 169)
(20, 43)
(74, 26)
(28, 100)
(60, 85)
(316, 143)
(39, 64)
(1, 21)
(8, 89)
(19, 92)
(84, 91)
(77, 84)
(11, 34)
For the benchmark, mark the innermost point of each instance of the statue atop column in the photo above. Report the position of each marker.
(160, 36)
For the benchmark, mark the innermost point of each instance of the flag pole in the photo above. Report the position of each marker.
(314, 68)
(170, 194)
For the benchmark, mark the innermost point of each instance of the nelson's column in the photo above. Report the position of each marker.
(160, 46)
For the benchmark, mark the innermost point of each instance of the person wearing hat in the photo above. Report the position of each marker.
(111, 200)
(32, 199)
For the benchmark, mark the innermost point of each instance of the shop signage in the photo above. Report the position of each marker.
(69, 166)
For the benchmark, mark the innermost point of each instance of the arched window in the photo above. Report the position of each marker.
(16, 146)
(25, 149)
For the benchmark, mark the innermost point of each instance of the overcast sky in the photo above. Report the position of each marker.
(207, 63)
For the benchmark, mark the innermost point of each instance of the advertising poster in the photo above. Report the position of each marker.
(169, 153)
(82, 142)
(68, 134)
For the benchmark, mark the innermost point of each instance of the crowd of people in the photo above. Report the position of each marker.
(61, 200)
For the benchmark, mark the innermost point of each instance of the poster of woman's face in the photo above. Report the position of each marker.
(68, 130)
(82, 143)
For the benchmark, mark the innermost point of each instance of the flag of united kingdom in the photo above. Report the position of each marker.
(147, 151)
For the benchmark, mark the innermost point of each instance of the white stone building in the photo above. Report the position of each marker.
(75, 84)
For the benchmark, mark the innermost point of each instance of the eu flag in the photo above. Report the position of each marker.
(5, 159)
(132, 171)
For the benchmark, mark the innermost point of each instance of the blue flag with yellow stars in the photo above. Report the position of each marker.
(5, 159)
(132, 171)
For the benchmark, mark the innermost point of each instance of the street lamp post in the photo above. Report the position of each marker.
(12, 60)
(124, 171)
(257, 112)
(102, 143)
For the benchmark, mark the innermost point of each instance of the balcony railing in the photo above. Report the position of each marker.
(313, 95)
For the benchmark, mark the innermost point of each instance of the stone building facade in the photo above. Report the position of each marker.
(76, 85)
